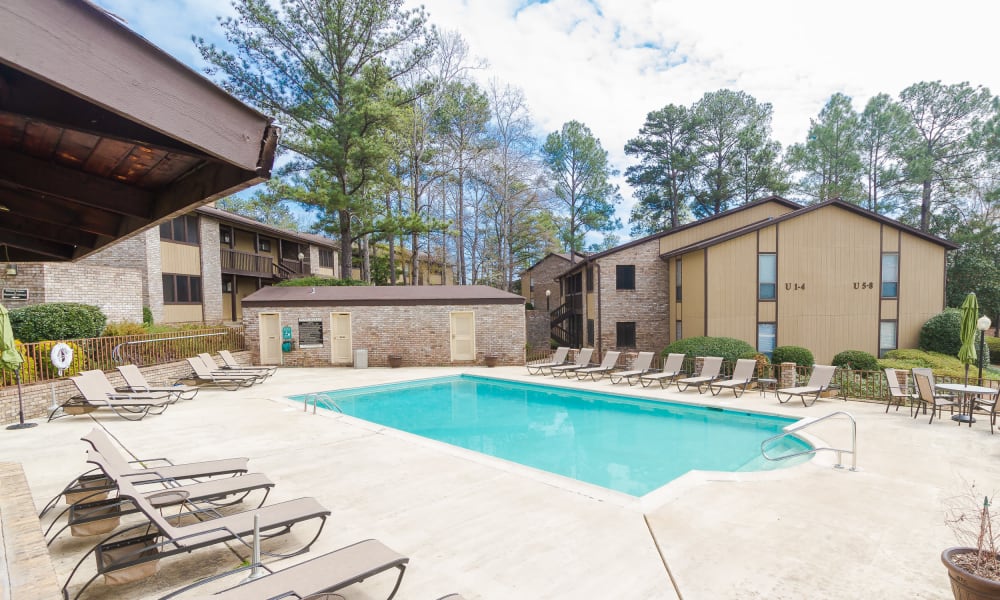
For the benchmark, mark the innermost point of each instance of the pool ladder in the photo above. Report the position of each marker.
(327, 401)
(808, 421)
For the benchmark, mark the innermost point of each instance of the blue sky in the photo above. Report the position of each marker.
(607, 63)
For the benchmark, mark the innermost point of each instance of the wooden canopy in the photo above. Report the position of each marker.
(103, 135)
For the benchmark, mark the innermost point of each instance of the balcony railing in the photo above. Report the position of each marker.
(246, 263)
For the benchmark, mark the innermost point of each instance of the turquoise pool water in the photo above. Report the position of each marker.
(622, 443)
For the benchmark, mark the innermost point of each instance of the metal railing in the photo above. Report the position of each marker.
(107, 352)
(328, 402)
(808, 422)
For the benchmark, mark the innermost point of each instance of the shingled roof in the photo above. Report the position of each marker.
(400, 295)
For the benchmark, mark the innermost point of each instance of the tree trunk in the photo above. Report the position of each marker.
(460, 222)
(925, 207)
(392, 243)
(345, 243)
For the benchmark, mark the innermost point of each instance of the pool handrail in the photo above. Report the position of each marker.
(806, 422)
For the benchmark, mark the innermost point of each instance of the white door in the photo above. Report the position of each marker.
(463, 336)
(270, 338)
(340, 325)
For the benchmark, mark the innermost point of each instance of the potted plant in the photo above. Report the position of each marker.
(974, 570)
(395, 361)
(490, 360)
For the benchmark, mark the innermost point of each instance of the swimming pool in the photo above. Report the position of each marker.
(617, 442)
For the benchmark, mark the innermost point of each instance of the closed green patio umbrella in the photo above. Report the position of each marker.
(10, 360)
(970, 314)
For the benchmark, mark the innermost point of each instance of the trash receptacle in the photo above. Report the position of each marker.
(361, 359)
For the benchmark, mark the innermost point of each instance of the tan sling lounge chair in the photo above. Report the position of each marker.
(123, 559)
(582, 360)
(741, 378)
(230, 362)
(607, 365)
(558, 358)
(324, 574)
(639, 367)
(927, 397)
(671, 370)
(135, 382)
(897, 395)
(97, 392)
(200, 372)
(819, 382)
(710, 367)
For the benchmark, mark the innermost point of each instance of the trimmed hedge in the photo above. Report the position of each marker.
(796, 354)
(730, 349)
(57, 321)
(943, 333)
(993, 344)
(858, 360)
(942, 364)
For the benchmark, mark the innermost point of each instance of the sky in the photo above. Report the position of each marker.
(608, 63)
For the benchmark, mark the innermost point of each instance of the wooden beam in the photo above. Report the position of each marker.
(36, 246)
(81, 49)
(52, 180)
(57, 211)
(67, 235)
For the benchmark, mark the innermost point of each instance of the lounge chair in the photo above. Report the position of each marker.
(819, 382)
(558, 358)
(122, 559)
(261, 373)
(639, 367)
(97, 392)
(607, 365)
(740, 379)
(710, 368)
(135, 382)
(926, 396)
(324, 574)
(671, 370)
(897, 395)
(200, 372)
(582, 360)
(229, 362)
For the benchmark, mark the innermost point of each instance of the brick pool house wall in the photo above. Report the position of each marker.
(419, 333)
(647, 305)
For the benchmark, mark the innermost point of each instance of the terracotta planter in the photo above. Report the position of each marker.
(965, 585)
(395, 361)
(490, 361)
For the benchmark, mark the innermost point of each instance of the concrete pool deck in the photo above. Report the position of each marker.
(490, 530)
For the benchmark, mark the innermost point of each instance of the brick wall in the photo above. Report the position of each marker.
(211, 269)
(420, 334)
(539, 330)
(116, 291)
(647, 305)
(543, 275)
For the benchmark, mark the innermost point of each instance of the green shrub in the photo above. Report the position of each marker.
(943, 333)
(123, 328)
(858, 360)
(147, 316)
(993, 344)
(318, 282)
(28, 369)
(730, 349)
(763, 362)
(57, 321)
(942, 364)
(796, 354)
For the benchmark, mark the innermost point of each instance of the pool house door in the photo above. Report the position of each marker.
(270, 338)
(463, 336)
(340, 325)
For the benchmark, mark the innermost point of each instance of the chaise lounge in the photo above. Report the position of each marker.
(582, 361)
(97, 392)
(200, 372)
(740, 380)
(639, 367)
(710, 368)
(607, 365)
(819, 382)
(135, 382)
(671, 371)
(557, 359)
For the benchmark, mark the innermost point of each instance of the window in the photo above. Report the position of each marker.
(181, 289)
(625, 334)
(767, 334)
(680, 333)
(590, 331)
(227, 286)
(677, 282)
(767, 276)
(226, 236)
(890, 275)
(264, 245)
(326, 260)
(182, 229)
(625, 277)
(590, 279)
(886, 337)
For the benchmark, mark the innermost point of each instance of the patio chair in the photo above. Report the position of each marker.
(927, 397)
(983, 405)
(97, 392)
(929, 374)
(123, 559)
(135, 382)
(710, 368)
(260, 374)
(322, 575)
(201, 373)
(607, 365)
(640, 367)
(671, 370)
(897, 395)
(558, 358)
(819, 382)
(582, 360)
(740, 379)
(229, 364)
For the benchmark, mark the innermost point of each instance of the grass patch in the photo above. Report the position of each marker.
(943, 365)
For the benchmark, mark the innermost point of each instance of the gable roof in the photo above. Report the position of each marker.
(563, 255)
(712, 241)
(369, 295)
(248, 223)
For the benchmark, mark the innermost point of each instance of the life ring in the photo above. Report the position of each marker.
(62, 356)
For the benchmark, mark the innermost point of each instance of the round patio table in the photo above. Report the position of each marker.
(965, 391)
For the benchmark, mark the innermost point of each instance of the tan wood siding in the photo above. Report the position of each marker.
(180, 259)
(836, 256)
(720, 226)
(890, 239)
(921, 286)
(244, 241)
(767, 240)
(693, 293)
(182, 313)
(732, 289)
(889, 308)
(767, 312)
(591, 304)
